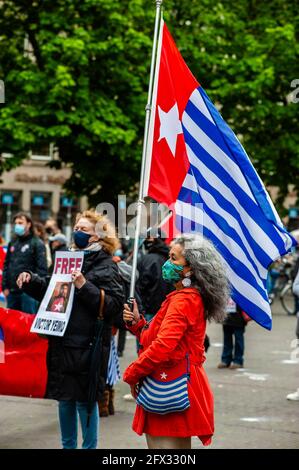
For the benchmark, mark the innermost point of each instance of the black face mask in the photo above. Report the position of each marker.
(49, 231)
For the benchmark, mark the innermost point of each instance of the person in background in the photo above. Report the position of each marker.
(25, 252)
(151, 286)
(233, 337)
(58, 242)
(77, 372)
(40, 232)
(295, 395)
(51, 227)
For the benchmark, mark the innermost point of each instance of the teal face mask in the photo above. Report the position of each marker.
(19, 230)
(171, 272)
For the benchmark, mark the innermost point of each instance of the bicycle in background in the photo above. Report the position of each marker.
(280, 282)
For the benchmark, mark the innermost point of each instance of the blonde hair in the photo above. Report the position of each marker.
(103, 229)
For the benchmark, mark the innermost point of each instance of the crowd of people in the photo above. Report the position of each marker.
(180, 286)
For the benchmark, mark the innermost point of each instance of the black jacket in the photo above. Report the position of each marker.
(235, 319)
(68, 357)
(153, 289)
(26, 253)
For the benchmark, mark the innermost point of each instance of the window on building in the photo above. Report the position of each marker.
(42, 153)
(69, 207)
(41, 204)
(10, 204)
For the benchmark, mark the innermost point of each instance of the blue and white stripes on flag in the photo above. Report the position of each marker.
(223, 198)
(113, 365)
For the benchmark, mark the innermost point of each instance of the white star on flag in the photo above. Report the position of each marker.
(170, 126)
(58, 307)
(163, 376)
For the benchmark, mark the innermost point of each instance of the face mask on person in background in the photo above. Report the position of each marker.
(81, 239)
(49, 231)
(171, 272)
(118, 252)
(19, 230)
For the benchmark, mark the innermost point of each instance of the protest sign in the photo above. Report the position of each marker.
(55, 309)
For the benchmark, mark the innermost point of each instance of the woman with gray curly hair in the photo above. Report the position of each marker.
(172, 348)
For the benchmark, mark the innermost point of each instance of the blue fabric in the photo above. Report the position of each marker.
(164, 397)
(223, 198)
(113, 375)
(22, 301)
(68, 419)
(233, 351)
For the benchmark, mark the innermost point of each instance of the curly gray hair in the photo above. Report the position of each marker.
(209, 275)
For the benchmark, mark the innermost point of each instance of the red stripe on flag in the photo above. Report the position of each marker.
(167, 151)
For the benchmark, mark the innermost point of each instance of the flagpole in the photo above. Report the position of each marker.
(148, 109)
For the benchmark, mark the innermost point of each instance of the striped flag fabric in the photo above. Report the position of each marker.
(157, 397)
(196, 165)
(113, 375)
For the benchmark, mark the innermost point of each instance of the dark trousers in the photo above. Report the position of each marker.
(122, 333)
(233, 352)
(22, 301)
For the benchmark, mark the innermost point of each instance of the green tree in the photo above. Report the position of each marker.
(85, 85)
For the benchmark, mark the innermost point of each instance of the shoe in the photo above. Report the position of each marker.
(103, 405)
(128, 397)
(111, 402)
(293, 396)
(236, 366)
(222, 365)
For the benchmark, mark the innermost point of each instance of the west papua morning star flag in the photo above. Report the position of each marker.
(196, 165)
(23, 369)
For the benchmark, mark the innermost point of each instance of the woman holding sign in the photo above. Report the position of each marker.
(77, 362)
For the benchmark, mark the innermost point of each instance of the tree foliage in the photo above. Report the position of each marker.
(85, 85)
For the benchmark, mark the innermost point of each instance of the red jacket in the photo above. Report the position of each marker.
(177, 328)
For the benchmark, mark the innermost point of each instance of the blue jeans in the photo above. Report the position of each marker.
(228, 355)
(68, 419)
(22, 301)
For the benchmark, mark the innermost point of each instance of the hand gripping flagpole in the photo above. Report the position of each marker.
(148, 109)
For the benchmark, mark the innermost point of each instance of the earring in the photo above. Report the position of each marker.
(186, 282)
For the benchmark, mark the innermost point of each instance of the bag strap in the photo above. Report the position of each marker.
(102, 303)
(188, 365)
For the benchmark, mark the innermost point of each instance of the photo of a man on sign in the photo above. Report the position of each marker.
(60, 297)
(55, 309)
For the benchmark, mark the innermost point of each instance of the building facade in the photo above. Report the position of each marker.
(35, 188)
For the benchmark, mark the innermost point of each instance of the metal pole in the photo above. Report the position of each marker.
(7, 235)
(140, 203)
(68, 228)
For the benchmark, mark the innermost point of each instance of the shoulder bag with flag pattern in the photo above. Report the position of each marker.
(166, 390)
